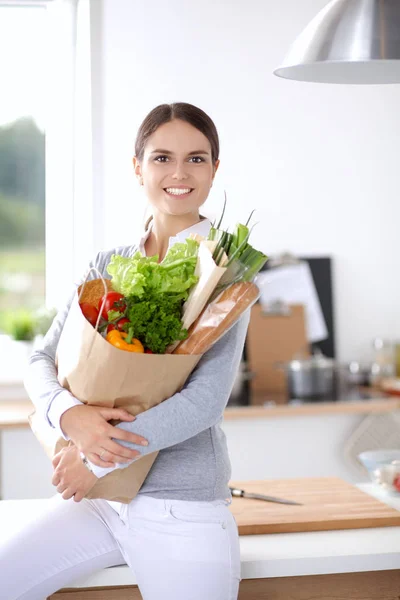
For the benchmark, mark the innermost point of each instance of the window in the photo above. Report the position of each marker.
(48, 221)
(22, 157)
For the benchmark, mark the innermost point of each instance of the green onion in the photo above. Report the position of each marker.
(217, 255)
(232, 248)
(241, 233)
(223, 212)
(254, 260)
(228, 243)
(244, 262)
(251, 214)
(212, 234)
(241, 247)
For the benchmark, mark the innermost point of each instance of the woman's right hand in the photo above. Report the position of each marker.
(88, 428)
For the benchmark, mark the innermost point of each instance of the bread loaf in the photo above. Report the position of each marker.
(217, 317)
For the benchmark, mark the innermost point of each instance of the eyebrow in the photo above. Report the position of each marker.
(169, 152)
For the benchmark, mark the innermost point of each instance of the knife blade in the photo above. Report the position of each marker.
(243, 494)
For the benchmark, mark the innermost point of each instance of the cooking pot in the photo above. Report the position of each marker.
(312, 378)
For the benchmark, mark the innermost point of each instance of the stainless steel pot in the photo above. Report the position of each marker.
(238, 396)
(312, 378)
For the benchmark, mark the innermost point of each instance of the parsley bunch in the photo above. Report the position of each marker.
(155, 292)
(156, 320)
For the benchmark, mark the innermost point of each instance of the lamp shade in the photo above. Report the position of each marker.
(348, 41)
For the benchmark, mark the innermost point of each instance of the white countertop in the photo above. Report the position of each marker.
(274, 555)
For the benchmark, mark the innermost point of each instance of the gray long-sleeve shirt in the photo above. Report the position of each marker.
(193, 462)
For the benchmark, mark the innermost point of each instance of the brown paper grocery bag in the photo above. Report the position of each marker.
(97, 373)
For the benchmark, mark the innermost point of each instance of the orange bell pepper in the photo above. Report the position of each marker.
(117, 339)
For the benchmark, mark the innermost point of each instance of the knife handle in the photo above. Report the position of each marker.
(236, 492)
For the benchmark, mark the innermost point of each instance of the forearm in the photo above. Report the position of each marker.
(198, 406)
(50, 399)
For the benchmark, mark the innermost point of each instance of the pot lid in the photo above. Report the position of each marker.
(316, 361)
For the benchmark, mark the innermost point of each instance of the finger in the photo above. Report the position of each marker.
(111, 457)
(68, 494)
(119, 451)
(56, 459)
(55, 479)
(78, 496)
(128, 436)
(60, 488)
(107, 457)
(99, 462)
(123, 415)
(117, 413)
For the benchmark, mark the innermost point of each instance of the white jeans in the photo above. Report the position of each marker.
(177, 549)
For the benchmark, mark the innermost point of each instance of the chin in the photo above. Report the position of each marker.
(180, 211)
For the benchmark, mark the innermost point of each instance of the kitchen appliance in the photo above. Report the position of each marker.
(311, 379)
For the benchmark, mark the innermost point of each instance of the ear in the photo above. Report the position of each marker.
(137, 168)
(216, 165)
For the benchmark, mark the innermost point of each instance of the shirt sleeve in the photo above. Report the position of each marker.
(198, 406)
(50, 399)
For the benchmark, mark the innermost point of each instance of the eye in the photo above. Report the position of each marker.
(200, 158)
(160, 156)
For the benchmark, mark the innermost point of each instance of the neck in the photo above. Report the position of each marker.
(166, 226)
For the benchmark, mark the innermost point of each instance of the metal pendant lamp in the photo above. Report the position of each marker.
(348, 41)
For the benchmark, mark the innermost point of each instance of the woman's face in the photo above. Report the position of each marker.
(177, 169)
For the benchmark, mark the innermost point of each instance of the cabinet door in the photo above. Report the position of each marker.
(25, 470)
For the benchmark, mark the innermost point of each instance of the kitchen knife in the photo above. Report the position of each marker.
(242, 494)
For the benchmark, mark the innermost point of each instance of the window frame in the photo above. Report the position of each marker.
(74, 222)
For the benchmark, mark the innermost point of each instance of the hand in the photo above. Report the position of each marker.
(71, 476)
(88, 428)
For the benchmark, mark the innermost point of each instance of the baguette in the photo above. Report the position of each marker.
(217, 317)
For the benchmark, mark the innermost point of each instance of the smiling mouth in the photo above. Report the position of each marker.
(178, 191)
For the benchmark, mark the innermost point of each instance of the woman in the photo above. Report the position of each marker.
(178, 535)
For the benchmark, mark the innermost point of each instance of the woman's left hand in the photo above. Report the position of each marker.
(71, 476)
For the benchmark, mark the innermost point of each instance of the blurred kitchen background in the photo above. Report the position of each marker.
(318, 163)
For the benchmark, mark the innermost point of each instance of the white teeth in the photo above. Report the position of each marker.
(178, 191)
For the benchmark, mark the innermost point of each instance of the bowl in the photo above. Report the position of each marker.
(383, 467)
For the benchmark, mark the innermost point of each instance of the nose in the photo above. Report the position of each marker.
(180, 171)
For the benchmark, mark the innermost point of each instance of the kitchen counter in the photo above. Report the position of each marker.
(358, 563)
(260, 441)
(15, 408)
(340, 407)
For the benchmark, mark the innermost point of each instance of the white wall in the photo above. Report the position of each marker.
(318, 162)
(271, 448)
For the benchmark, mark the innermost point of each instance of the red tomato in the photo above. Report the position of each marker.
(148, 351)
(118, 325)
(396, 482)
(111, 297)
(89, 312)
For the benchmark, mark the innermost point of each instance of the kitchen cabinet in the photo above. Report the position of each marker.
(352, 586)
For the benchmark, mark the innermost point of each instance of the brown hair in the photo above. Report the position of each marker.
(178, 110)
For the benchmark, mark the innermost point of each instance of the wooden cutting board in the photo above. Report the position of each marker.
(328, 503)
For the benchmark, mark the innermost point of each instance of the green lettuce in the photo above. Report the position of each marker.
(155, 292)
(136, 275)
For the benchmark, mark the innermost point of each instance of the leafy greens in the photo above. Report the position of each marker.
(155, 292)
